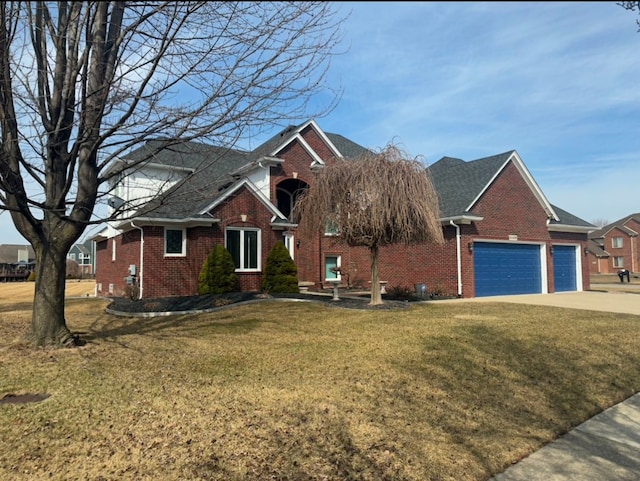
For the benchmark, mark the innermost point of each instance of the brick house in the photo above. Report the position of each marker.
(502, 236)
(615, 246)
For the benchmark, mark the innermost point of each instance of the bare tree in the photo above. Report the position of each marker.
(632, 6)
(599, 222)
(375, 200)
(81, 83)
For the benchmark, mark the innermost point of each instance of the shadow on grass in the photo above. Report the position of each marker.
(528, 389)
(111, 328)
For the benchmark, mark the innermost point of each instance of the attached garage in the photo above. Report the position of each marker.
(505, 269)
(564, 268)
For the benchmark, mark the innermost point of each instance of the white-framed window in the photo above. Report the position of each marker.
(245, 247)
(113, 249)
(71, 256)
(175, 242)
(331, 263)
(617, 242)
(618, 261)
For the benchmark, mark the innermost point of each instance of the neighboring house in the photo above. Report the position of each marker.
(84, 255)
(16, 262)
(502, 236)
(615, 246)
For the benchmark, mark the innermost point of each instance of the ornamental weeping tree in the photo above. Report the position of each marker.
(83, 83)
(375, 200)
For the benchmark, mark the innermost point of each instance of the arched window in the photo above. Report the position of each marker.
(287, 193)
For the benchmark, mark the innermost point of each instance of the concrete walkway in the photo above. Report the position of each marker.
(595, 300)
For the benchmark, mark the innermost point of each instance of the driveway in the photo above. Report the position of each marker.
(594, 300)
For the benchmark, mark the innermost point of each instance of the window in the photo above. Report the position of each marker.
(72, 256)
(617, 242)
(618, 261)
(244, 245)
(175, 241)
(113, 250)
(331, 263)
(330, 227)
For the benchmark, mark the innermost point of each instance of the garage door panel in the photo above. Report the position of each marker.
(564, 268)
(503, 269)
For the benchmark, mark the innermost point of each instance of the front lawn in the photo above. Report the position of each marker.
(298, 391)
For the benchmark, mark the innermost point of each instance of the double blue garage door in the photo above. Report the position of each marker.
(504, 269)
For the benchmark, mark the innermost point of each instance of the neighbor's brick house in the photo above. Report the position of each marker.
(615, 246)
(502, 236)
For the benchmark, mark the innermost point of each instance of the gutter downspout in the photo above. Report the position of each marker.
(458, 257)
(141, 276)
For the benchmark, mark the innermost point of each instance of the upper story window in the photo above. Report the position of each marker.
(175, 242)
(245, 247)
(617, 242)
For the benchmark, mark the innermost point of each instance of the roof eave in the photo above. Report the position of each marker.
(166, 221)
(461, 219)
(569, 228)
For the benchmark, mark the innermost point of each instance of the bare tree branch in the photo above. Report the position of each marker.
(82, 83)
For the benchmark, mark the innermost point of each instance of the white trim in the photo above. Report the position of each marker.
(253, 189)
(163, 221)
(461, 219)
(569, 228)
(537, 192)
(317, 161)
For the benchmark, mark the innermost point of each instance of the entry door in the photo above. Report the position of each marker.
(564, 268)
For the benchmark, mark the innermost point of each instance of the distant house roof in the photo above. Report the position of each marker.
(619, 224)
(14, 253)
(596, 249)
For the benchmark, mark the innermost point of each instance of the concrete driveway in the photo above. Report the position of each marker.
(594, 300)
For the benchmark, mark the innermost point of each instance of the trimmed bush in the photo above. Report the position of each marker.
(281, 273)
(218, 275)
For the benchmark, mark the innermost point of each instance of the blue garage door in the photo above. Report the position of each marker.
(502, 269)
(564, 268)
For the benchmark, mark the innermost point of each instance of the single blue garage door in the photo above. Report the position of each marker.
(502, 269)
(564, 268)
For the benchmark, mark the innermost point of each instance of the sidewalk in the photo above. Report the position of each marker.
(604, 448)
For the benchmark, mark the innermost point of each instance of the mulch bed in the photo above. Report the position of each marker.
(205, 302)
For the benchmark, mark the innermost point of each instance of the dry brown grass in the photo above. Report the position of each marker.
(305, 392)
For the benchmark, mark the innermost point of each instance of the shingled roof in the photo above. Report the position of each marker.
(460, 183)
(619, 224)
(212, 170)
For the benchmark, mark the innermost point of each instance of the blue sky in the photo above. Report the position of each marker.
(555, 81)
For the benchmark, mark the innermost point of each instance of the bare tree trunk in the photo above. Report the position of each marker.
(376, 297)
(48, 324)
